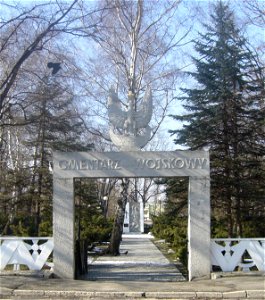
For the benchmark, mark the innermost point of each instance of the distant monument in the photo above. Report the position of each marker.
(129, 129)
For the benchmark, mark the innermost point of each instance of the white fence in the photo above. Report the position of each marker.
(246, 254)
(29, 251)
(228, 254)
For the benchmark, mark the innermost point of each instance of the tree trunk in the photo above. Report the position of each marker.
(116, 235)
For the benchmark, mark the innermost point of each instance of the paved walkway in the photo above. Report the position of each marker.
(134, 284)
(142, 262)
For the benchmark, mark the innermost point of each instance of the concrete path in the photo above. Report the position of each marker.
(142, 262)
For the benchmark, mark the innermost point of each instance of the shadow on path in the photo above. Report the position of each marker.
(143, 262)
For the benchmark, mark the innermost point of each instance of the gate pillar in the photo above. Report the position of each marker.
(199, 261)
(63, 227)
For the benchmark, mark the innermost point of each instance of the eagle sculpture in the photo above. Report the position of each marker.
(129, 129)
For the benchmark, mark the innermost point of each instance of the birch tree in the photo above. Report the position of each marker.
(136, 48)
(31, 34)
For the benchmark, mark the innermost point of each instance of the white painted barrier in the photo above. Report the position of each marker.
(236, 252)
(228, 254)
(30, 251)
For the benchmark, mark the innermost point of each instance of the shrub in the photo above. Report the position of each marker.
(174, 231)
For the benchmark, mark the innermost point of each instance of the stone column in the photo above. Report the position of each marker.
(126, 223)
(63, 227)
(141, 216)
(199, 263)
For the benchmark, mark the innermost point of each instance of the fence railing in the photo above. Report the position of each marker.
(29, 251)
(227, 254)
(236, 253)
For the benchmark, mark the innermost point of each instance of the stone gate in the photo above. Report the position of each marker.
(194, 164)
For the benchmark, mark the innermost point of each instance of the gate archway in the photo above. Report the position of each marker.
(194, 164)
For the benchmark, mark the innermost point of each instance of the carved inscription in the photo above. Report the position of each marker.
(140, 163)
(172, 163)
(87, 164)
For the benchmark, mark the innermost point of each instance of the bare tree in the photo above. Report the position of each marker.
(254, 10)
(33, 34)
(30, 29)
(136, 47)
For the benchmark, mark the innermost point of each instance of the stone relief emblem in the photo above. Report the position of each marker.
(129, 129)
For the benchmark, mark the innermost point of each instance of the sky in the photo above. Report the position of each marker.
(254, 33)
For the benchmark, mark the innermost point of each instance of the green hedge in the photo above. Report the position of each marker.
(174, 231)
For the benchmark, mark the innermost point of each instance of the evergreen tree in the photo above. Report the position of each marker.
(225, 112)
(91, 224)
(27, 193)
(172, 223)
(54, 127)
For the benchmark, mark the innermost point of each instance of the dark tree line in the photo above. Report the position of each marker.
(226, 114)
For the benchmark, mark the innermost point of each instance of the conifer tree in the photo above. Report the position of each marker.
(55, 126)
(52, 125)
(225, 111)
